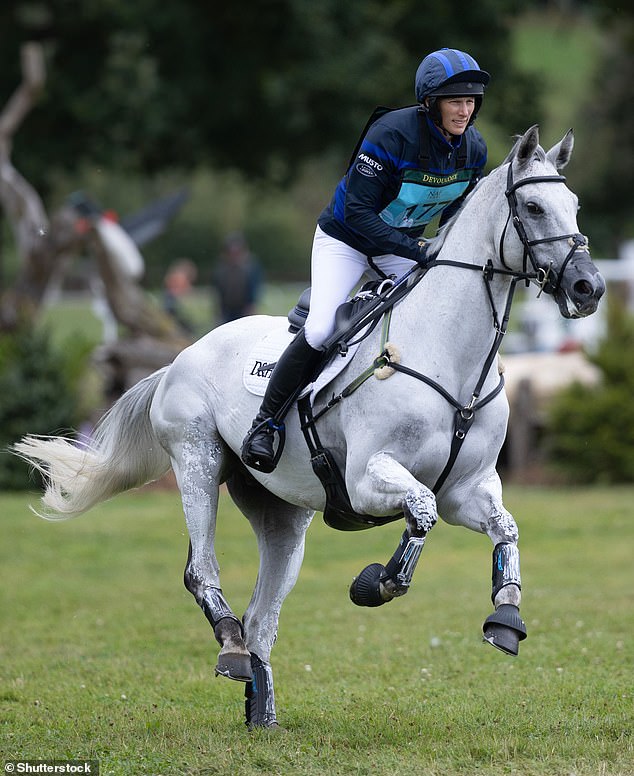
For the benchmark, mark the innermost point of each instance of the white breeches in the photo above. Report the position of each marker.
(336, 269)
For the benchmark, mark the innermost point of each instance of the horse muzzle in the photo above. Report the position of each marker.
(580, 288)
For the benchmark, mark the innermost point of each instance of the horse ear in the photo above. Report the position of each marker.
(527, 145)
(559, 155)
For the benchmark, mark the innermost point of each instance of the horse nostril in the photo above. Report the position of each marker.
(583, 288)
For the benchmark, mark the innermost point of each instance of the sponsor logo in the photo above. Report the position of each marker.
(364, 169)
(262, 369)
(370, 161)
(438, 180)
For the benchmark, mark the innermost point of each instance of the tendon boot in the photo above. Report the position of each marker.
(293, 370)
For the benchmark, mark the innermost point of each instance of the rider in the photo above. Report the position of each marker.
(411, 165)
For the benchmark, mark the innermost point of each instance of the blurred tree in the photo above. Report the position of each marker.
(150, 85)
(607, 160)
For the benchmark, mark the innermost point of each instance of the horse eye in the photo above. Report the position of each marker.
(534, 209)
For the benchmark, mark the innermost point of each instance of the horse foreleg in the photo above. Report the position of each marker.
(485, 512)
(280, 530)
(388, 485)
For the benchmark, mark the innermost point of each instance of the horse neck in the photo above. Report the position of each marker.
(451, 308)
(473, 239)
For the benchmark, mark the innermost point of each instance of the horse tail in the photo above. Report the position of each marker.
(123, 453)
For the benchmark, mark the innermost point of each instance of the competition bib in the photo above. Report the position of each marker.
(422, 196)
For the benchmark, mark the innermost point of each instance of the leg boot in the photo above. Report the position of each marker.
(294, 369)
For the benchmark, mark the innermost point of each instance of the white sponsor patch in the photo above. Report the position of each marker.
(256, 372)
(259, 364)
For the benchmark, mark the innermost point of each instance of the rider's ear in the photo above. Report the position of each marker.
(559, 155)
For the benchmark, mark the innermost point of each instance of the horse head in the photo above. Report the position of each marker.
(543, 212)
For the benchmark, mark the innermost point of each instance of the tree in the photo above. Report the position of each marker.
(150, 85)
(608, 116)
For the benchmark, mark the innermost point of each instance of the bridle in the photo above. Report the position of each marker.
(542, 276)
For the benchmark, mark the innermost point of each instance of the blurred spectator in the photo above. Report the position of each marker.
(237, 279)
(178, 282)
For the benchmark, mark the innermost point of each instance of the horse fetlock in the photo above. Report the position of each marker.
(391, 588)
(401, 566)
(510, 594)
(215, 606)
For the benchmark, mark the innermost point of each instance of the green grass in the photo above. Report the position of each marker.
(105, 655)
(73, 315)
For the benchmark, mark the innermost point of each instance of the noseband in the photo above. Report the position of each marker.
(543, 276)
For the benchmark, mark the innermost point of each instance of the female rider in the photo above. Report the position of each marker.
(412, 164)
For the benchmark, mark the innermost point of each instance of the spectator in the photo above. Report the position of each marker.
(178, 282)
(237, 279)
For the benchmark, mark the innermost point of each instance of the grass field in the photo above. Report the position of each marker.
(106, 656)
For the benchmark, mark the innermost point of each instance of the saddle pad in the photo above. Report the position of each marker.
(256, 371)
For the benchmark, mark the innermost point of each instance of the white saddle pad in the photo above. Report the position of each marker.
(264, 354)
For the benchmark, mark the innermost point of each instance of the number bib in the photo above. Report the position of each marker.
(422, 196)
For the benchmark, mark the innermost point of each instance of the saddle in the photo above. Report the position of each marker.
(362, 312)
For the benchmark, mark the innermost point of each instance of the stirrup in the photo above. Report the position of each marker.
(264, 463)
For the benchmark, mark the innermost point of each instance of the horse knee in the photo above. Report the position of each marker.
(420, 510)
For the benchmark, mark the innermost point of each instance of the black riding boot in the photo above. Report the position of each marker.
(293, 369)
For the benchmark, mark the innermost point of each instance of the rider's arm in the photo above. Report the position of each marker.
(372, 181)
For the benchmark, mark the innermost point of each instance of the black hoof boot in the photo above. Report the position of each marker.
(365, 589)
(504, 629)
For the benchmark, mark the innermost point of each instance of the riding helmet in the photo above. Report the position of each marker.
(450, 72)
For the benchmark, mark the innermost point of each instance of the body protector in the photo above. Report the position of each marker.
(403, 174)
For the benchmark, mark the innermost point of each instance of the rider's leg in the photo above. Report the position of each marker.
(336, 268)
(294, 366)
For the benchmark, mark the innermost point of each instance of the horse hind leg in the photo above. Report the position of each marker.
(280, 530)
(199, 459)
(234, 659)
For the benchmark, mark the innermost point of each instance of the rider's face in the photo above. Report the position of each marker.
(455, 113)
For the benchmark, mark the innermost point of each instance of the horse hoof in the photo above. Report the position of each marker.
(274, 727)
(365, 589)
(504, 629)
(235, 666)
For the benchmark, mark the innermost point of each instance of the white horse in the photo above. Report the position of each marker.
(421, 443)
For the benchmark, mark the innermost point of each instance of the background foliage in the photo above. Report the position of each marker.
(39, 394)
(591, 429)
(256, 107)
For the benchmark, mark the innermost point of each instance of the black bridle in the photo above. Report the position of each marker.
(542, 276)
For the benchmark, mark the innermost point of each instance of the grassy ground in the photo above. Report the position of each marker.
(105, 655)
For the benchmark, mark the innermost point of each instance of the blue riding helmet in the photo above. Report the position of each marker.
(450, 72)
